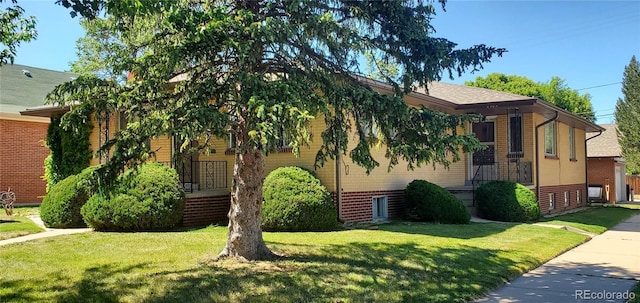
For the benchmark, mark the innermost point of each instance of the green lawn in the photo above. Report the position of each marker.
(18, 224)
(636, 291)
(400, 262)
(596, 219)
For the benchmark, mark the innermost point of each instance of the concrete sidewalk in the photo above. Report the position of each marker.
(48, 232)
(606, 267)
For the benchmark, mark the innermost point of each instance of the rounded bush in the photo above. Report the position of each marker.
(507, 201)
(428, 202)
(295, 200)
(147, 198)
(61, 206)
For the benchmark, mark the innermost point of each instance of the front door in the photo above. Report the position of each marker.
(483, 166)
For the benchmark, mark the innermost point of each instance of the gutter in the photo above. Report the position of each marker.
(586, 165)
(538, 152)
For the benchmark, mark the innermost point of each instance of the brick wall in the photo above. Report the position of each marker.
(203, 211)
(22, 157)
(358, 206)
(602, 172)
(558, 191)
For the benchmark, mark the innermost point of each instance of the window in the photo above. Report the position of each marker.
(552, 201)
(572, 143)
(283, 141)
(123, 120)
(232, 141)
(550, 139)
(578, 196)
(484, 131)
(515, 134)
(380, 208)
(566, 198)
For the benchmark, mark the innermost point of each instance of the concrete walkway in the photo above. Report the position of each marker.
(48, 232)
(599, 270)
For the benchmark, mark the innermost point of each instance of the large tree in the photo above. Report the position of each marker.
(258, 69)
(628, 116)
(15, 28)
(555, 91)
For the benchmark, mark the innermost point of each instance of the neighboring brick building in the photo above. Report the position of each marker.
(22, 150)
(607, 170)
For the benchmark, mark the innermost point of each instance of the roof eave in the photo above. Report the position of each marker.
(45, 111)
(588, 125)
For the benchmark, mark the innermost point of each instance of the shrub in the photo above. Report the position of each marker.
(147, 198)
(295, 200)
(507, 201)
(60, 208)
(428, 202)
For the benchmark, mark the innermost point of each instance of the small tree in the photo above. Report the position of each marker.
(253, 68)
(628, 116)
(15, 28)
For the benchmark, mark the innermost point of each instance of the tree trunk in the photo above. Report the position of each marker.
(245, 233)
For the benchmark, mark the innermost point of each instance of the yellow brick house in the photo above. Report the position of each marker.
(528, 140)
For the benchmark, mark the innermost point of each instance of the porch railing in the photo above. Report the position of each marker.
(517, 171)
(200, 175)
(504, 171)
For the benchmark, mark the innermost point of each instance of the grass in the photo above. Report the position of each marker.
(636, 291)
(596, 219)
(400, 262)
(18, 224)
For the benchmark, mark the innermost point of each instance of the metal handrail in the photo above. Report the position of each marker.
(200, 175)
(518, 171)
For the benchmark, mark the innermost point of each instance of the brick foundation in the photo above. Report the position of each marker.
(358, 207)
(203, 211)
(559, 191)
(22, 157)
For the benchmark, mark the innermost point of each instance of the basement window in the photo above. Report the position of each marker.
(578, 196)
(380, 208)
(566, 198)
(552, 201)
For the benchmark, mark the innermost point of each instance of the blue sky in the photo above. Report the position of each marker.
(586, 43)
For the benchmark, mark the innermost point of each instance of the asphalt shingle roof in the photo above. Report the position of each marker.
(605, 145)
(462, 94)
(18, 92)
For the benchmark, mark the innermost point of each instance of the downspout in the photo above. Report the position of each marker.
(586, 165)
(538, 153)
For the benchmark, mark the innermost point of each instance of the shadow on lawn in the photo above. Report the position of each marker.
(97, 285)
(457, 231)
(359, 272)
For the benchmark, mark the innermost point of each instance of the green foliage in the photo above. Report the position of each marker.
(428, 202)
(555, 92)
(14, 29)
(507, 201)
(69, 150)
(295, 200)
(285, 93)
(263, 70)
(627, 117)
(146, 198)
(61, 206)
